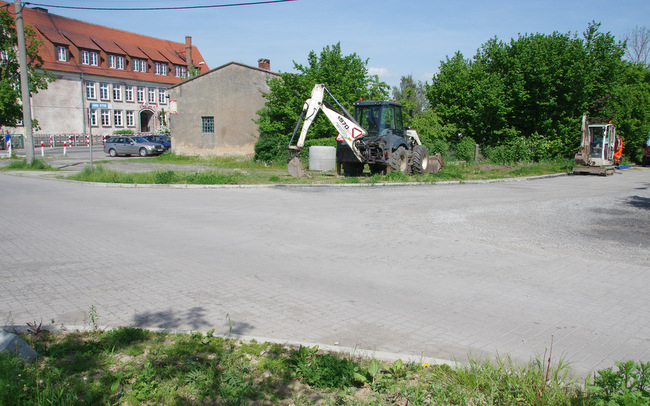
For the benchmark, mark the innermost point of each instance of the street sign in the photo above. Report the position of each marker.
(98, 105)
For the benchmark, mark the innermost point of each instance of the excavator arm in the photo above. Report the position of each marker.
(348, 129)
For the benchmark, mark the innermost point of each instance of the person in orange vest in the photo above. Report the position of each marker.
(618, 150)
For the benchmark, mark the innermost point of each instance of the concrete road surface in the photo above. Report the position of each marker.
(437, 271)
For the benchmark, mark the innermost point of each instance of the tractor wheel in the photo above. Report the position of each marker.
(399, 160)
(420, 159)
(352, 168)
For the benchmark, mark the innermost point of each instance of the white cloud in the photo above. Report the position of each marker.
(381, 72)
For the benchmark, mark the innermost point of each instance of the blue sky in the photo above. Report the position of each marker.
(397, 37)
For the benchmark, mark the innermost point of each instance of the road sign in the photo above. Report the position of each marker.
(98, 105)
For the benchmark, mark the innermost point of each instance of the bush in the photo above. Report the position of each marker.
(271, 148)
(123, 132)
(465, 149)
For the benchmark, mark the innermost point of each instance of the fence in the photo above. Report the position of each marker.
(70, 140)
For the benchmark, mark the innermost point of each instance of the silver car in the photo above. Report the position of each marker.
(115, 146)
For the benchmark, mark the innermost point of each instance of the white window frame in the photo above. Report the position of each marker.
(106, 118)
(117, 118)
(85, 57)
(128, 93)
(180, 71)
(130, 118)
(120, 62)
(160, 68)
(91, 93)
(151, 95)
(141, 94)
(117, 92)
(92, 113)
(62, 53)
(162, 96)
(139, 65)
(112, 64)
(104, 91)
(94, 58)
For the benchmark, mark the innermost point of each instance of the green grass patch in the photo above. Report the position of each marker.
(133, 366)
(243, 170)
(21, 165)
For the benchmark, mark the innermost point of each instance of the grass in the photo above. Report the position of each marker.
(133, 366)
(21, 165)
(246, 171)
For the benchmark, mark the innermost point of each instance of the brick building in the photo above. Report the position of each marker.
(127, 75)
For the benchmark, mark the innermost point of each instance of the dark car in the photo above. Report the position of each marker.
(115, 146)
(645, 161)
(165, 140)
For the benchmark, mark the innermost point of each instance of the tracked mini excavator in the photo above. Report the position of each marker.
(597, 147)
(375, 136)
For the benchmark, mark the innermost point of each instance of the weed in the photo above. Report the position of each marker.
(94, 317)
(628, 385)
(36, 165)
(324, 370)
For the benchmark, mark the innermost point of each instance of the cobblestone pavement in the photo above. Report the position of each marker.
(428, 271)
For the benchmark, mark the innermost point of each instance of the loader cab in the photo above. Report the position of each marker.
(379, 118)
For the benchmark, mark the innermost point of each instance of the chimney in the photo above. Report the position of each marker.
(264, 64)
(188, 51)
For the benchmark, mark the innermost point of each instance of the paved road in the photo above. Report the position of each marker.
(434, 271)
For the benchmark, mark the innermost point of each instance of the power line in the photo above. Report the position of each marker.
(252, 3)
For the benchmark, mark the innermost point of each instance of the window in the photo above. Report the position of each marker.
(62, 53)
(152, 95)
(103, 91)
(207, 124)
(92, 114)
(160, 68)
(180, 71)
(128, 93)
(139, 65)
(90, 90)
(162, 96)
(85, 58)
(94, 58)
(140, 94)
(117, 118)
(106, 118)
(130, 118)
(120, 62)
(117, 92)
(112, 63)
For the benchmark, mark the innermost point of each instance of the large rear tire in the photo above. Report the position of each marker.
(399, 160)
(420, 163)
(352, 168)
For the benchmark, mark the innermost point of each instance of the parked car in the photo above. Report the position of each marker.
(645, 161)
(165, 140)
(115, 146)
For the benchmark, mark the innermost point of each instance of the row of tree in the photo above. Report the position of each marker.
(519, 100)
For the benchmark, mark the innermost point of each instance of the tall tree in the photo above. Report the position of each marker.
(411, 94)
(638, 46)
(346, 76)
(535, 86)
(10, 104)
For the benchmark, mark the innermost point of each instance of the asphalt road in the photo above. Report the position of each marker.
(436, 271)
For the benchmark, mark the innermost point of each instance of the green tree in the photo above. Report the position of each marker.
(536, 86)
(10, 96)
(411, 94)
(345, 76)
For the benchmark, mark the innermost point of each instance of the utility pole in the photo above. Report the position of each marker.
(24, 84)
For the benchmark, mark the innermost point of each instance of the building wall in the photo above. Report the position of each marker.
(232, 95)
(58, 108)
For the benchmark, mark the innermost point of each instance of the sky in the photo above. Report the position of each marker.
(397, 38)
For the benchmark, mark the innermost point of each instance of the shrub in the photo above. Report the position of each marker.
(465, 149)
(123, 132)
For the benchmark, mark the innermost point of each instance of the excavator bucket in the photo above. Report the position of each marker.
(296, 169)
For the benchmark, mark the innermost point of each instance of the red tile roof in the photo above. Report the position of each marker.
(56, 30)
